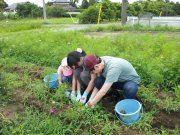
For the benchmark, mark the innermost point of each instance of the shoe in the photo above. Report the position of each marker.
(67, 93)
(73, 96)
(78, 97)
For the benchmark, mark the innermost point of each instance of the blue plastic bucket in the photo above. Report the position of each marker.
(128, 111)
(51, 81)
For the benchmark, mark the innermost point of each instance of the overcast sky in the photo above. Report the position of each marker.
(39, 2)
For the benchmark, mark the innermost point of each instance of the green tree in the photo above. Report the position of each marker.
(3, 5)
(89, 15)
(138, 9)
(85, 4)
(110, 10)
(29, 10)
(92, 2)
(107, 10)
(73, 2)
(176, 8)
(156, 7)
(56, 11)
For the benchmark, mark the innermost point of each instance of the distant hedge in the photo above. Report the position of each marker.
(89, 16)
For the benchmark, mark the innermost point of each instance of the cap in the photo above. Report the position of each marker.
(90, 61)
(79, 50)
(64, 62)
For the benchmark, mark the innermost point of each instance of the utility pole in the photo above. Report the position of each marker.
(44, 12)
(124, 12)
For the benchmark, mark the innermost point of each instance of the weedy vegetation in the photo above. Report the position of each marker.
(29, 51)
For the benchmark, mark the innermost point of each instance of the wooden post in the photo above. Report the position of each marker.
(44, 12)
(124, 12)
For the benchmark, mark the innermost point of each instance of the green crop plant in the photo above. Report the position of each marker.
(96, 120)
(30, 52)
(12, 81)
(59, 96)
(148, 96)
(177, 92)
(169, 104)
(164, 131)
(145, 122)
(39, 90)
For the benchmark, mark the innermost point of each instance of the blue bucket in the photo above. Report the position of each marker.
(51, 81)
(128, 111)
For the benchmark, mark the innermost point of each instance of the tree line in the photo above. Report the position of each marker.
(109, 10)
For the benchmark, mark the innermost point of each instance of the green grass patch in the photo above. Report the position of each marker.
(119, 27)
(8, 26)
(28, 54)
(62, 20)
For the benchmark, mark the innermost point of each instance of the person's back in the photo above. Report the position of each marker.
(118, 69)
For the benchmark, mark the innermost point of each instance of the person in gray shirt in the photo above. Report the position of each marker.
(112, 72)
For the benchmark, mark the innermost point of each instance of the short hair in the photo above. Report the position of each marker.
(99, 59)
(83, 54)
(73, 58)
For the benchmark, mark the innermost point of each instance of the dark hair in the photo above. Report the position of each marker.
(83, 53)
(99, 59)
(73, 58)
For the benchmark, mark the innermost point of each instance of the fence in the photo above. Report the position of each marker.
(171, 21)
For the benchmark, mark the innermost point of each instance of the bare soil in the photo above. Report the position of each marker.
(167, 120)
(15, 106)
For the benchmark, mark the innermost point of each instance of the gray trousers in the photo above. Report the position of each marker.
(83, 77)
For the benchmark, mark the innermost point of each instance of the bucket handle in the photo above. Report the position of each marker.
(129, 123)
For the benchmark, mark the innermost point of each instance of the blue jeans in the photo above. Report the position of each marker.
(129, 88)
(67, 78)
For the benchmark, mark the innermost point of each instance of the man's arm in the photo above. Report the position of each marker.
(101, 93)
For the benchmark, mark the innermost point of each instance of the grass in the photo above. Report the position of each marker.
(62, 20)
(25, 58)
(136, 27)
(8, 26)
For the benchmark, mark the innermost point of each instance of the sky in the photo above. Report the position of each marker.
(39, 2)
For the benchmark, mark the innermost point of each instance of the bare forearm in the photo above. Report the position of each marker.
(98, 97)
(90, 86)
(60, 77)
(78, 85)
(73, 82)
(101, 93)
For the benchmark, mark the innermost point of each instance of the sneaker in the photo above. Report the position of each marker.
(73, 96)
(67, 93)
(78, 97)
